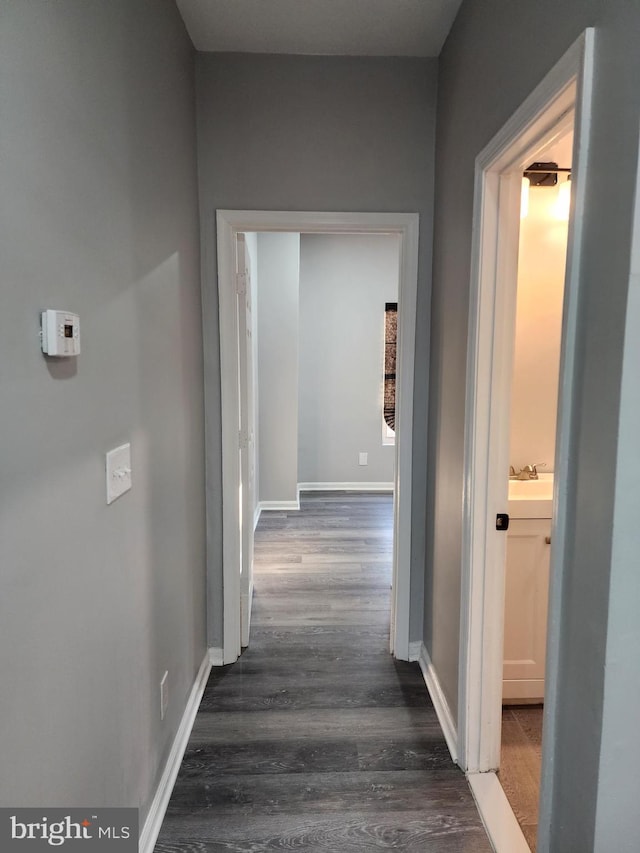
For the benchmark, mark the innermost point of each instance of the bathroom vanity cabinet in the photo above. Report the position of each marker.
(526, 596)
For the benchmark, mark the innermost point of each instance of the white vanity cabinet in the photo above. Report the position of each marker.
(526, 596)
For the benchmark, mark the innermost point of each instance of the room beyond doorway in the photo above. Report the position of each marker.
(229, 224)
(319, 320)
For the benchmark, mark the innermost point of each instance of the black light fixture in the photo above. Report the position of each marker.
(544, 174)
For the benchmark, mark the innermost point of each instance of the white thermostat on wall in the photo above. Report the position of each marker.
(60, 333)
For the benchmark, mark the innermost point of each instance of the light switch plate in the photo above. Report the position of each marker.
(118, 469)
(363, 458)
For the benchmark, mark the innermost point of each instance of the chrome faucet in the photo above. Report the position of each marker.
(529, 472)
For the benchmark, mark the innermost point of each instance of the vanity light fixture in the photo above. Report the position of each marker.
(562, 207)
(544, 174)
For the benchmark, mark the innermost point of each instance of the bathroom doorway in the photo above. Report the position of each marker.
(560, 104)
(542, 252)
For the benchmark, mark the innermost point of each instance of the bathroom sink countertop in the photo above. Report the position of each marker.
(531, 498)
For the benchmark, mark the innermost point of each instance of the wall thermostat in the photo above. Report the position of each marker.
(60, 333)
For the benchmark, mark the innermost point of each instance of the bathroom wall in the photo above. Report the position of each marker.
(541, 269)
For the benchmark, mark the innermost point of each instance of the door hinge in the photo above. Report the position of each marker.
(243, 440)
(241, 284)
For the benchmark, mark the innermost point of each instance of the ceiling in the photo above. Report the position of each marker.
(320, 27)
(561, 151)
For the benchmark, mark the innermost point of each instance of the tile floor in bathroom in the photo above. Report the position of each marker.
(520, 762)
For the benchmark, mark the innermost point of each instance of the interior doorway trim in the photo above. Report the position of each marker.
(498, 174)
(229, 223)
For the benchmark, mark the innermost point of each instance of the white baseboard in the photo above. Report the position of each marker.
(497, 815)
(280, 506)
(345, 487)
(277, 506)
(216, 656)
(153, 823)
(443, 711)
(414, 650)
(246, 606)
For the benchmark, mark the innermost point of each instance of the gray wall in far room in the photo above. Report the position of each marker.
(315, 133)
(345, 281)
(279, 275)
(98, 215)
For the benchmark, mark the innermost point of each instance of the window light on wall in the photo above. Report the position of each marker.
(389, 392)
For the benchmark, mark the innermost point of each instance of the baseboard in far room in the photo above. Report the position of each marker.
(345, 487)
(497, 815)
(442, 709)
(279, 506)
(153, 823)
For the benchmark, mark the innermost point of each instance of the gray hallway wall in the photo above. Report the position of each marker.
(98, 215)
(490, 63)
(316, 133)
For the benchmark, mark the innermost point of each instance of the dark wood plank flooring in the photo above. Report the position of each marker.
(316, 739)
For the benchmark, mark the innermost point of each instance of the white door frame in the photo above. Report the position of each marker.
(231, 222)
(498, 176)
(247, 432)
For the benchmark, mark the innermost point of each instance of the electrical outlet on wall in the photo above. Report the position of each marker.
(364, 459)
(164, 695)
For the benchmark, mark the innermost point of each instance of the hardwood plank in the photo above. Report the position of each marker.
(301, 793)
(335, 833)
(316, 739)
(382, 723)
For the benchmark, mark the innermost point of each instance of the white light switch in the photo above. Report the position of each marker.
(363, 459)
(118, 472)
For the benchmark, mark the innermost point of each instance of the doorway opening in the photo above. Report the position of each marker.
(550, 114)
(313, 311)
(542, 250)
(230, 224)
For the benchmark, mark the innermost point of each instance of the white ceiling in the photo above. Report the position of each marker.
(561, 151)
(320, 27)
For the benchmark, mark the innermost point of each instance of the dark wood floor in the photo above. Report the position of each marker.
(316, 739)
